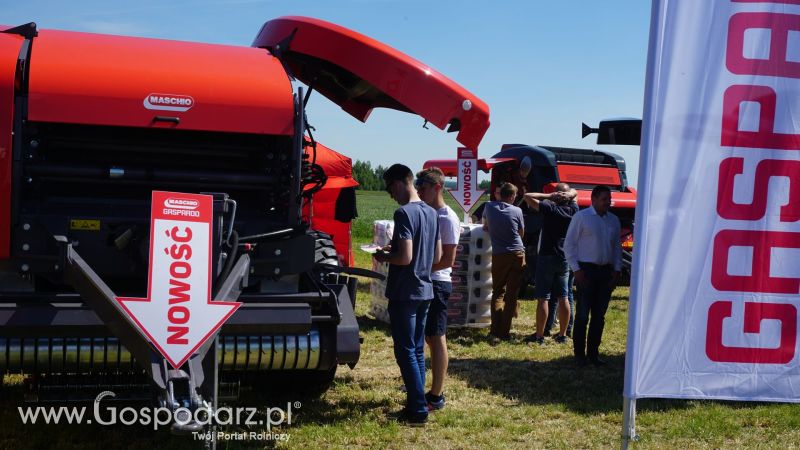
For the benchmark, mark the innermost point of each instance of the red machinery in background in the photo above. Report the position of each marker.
(91, 125)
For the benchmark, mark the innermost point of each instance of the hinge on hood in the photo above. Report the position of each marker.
(28, 30)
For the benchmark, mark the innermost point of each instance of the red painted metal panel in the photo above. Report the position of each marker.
(9, 53)
(449, 166)
(580, 174)
(125, 81)
(402, 82)
(618, 199)
(621, 200)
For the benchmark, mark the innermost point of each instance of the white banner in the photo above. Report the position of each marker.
(714, 305)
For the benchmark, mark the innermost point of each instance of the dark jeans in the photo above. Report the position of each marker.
(552, 303)
(436, 323)
(593, 298)
(408, 333)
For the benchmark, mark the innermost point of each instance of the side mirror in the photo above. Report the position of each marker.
(616, 132)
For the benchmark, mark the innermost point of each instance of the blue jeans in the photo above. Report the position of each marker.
(408, 333)
(553, 305)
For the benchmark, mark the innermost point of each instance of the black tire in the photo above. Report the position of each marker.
(324, 250)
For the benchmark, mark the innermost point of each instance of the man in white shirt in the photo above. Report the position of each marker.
(594, 253)
(430, 187)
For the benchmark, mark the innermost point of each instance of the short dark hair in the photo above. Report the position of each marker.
(398, 172)
(599, 189)
(507, 190)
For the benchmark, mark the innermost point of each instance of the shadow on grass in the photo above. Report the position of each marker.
(585, 390)
(366, 323)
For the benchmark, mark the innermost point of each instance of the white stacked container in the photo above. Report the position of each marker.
(470, 301)
(382, 231)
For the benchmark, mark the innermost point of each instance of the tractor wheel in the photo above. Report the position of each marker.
(324, 250)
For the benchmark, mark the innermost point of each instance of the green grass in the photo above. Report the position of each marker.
(509, 395)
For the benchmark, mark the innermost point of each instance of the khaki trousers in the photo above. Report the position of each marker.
(507, 269)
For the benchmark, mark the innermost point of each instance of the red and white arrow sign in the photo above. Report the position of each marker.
(178, 315)
(467, 193)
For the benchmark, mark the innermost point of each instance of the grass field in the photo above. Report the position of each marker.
(509, 395)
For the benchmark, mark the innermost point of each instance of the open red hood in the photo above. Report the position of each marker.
(359, 73)
(450, 166)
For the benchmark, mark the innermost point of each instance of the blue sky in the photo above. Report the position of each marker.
(542, 66)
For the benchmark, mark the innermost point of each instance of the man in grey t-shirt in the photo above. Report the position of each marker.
(415, 248)
(506, 228)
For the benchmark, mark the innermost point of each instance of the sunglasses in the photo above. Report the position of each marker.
(418, 183)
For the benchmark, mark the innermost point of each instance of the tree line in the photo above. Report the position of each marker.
(371, 178)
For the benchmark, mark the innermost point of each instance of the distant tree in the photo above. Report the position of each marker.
(485, 184)
(378, 172)
(369, 178)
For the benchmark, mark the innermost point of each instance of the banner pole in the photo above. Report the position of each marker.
(628, 422)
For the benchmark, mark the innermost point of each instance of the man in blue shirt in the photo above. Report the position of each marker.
(414, 249)
(506, 228)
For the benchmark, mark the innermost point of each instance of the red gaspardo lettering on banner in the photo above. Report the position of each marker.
(758, 236)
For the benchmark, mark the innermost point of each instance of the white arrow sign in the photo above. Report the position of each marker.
(178, 315)
(467, 193)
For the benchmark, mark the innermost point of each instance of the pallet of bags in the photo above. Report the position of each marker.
(470, 303)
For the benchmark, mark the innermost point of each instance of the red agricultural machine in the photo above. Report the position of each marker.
(91, 125)
(582, 169)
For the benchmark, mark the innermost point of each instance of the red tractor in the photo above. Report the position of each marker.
(581, 168)
(93, 124)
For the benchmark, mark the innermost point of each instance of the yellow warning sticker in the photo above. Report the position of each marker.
(84, 224)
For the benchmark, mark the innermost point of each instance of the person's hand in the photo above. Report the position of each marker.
(380, 256)
(580, 277)
(614, 280)
(387, 248)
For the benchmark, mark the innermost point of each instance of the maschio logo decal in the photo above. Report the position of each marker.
(168, 102)
(181, 203)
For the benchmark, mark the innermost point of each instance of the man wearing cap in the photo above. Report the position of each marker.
(414, 249)
(430, 186)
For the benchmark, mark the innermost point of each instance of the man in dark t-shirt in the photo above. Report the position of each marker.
(552, 272)
(415, 247)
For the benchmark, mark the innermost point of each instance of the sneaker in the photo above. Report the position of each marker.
(546, 333)
(434, 402)
(560, 339)
(597, 362)
(533, 339)
(410, 419)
